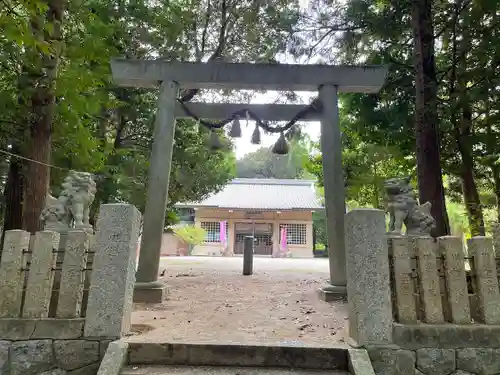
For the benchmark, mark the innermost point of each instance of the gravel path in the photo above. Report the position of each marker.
(210, 301)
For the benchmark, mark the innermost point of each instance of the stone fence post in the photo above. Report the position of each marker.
(368, 284)
(109, 305)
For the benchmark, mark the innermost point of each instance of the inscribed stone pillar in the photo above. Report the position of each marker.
(109, 304)
(487, 292)
(147, 287)
(368, 288)
(333, 177)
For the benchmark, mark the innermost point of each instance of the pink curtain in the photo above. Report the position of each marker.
(283, 239)
(222, 234)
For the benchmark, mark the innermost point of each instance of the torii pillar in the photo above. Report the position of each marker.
(333, 182)
(170, 76)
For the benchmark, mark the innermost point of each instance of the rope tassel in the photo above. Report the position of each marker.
(281, 146)
(215, 143)
(256, 135)
(235, 131)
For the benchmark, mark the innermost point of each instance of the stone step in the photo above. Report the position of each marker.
(296, 356)
(220, 370)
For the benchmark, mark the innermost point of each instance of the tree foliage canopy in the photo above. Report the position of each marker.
(59, 105)
(466, 50)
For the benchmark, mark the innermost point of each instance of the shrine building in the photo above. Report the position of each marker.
(277, 212)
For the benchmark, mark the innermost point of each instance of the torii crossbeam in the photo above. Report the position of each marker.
(171, 76)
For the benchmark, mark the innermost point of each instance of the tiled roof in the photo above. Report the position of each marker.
(263, 194)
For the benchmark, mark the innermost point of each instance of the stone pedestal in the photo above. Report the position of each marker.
(368, 287)
(154, 292)
(330, 293)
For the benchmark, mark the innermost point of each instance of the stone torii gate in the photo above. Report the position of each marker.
(171, 76)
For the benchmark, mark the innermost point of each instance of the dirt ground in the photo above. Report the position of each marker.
(210, 301)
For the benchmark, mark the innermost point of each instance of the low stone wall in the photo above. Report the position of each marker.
(429, 325)
(41, 337)
(49, 347)
(446, 336)
(439, 350)
(435, 361)
(51, 357)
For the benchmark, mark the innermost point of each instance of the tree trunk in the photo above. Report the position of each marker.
(463, 128)
(42, 115)
(430, 179)
(13, 196)
(469, 187)
(470, 192)
(14, 186)
(492, 140)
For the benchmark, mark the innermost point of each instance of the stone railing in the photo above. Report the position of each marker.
(420, 305)
(59, 309)
(436, 282)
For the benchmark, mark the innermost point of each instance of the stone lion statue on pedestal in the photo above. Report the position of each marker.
(403, 207)
(71, 209)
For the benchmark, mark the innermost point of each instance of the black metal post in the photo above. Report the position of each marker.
(248, 255)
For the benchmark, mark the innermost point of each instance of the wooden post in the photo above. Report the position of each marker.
(248, 256)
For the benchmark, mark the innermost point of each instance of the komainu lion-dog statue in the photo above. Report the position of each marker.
(71, 209)
(403, 208)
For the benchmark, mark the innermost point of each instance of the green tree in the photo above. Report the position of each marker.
(88, 123)
(429, 172)
(263, 163)
(366, 167)
(464, 80)
(191, 235)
